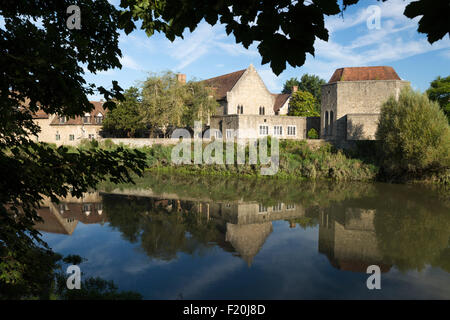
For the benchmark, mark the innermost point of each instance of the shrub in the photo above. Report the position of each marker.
(414, 134)
(312, 134)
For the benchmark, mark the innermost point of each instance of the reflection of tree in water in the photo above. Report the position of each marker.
(164, 227)
(413, 230)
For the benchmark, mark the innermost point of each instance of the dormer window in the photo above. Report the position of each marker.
(86, 118)
(62, 119)
(99, 119)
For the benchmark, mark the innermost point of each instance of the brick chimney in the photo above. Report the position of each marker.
(181, 78)
(294, 89)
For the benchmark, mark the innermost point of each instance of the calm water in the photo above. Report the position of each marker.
(210, 238)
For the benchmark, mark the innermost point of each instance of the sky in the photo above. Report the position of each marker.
(208, 51)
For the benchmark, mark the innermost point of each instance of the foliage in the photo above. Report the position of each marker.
(126, 116)
(168, 103)
(414, 135)
(274, 25)
(42, 69)
(440, 91)
(310, 83)
(312, 134)
(303, 104)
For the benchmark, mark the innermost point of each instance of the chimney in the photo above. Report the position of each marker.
(294, 89)
(181, 78)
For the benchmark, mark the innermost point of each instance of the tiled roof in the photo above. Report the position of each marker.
(98, 108)
(364, 73)
(223, 84)
(280, 100)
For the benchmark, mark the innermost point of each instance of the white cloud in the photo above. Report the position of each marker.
(204, 40)
(130, 63)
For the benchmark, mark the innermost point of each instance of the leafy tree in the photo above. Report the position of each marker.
(287, 87)
(309, 83)
(41, 69)
(260, 22)
(414, 134)
(127, 115)
(302, 104)
(167, 103)
(199, 103)
(440, 91)
(162, 101)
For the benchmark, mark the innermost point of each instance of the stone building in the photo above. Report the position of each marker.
(62, 130)
(352, 99)
(248, 106)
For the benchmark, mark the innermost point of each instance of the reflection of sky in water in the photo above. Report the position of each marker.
(288, 266)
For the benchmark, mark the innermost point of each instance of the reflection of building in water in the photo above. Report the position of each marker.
(248, 224)
(64, 217)
(242, 226)
(349, 240)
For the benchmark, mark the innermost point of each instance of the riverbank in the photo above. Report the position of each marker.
(297, 161)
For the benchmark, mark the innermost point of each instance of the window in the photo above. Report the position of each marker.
(62, 119)
(229, 133)
(277, 130)
(261, 111)
(57, 136)
(290, 206)
(263, 130)
(331, 122)
(71, 137)
(91, 136)
(326, 123)
(87, 118)
(218, 134)
(277, 207)
(240, 109)
(262, 208)
(99, 119)
(292, 130)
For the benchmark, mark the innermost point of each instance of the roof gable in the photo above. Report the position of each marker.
(364, 74)
(224, 83)
(280, 100)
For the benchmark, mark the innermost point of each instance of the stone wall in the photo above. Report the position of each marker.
(250, 92)
(362, 126)
(249, 126)
(65, 131)
(354, 97)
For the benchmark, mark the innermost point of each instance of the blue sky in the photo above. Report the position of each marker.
(209, 52)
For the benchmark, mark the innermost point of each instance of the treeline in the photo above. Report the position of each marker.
(160, 104)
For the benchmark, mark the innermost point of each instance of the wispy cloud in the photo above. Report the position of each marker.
(205, 40)
(130, 63)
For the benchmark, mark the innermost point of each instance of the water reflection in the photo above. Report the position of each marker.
(359, 224)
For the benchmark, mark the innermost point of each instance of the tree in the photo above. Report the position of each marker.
(302, 104)
(41, 69)
(274, 25)
(309, 83)
(127, 115)
(199, 103)
(440, 91)
(414, 134)
(287, 87)
(162, 101)
(169, 103)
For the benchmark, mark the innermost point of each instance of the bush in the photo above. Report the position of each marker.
(312, 134)
(414, 135)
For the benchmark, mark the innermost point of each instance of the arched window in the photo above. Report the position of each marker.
(326, 123)
(331, 122)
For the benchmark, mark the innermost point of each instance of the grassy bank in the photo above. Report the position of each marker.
(297, 161)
